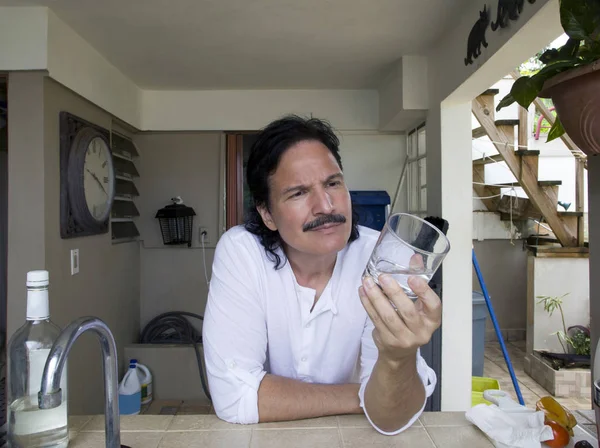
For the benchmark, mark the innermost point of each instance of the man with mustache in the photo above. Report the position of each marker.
(290, 329)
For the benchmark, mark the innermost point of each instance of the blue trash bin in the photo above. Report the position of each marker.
(370, 206)
(480, 314)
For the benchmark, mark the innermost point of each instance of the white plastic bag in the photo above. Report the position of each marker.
(510, 429)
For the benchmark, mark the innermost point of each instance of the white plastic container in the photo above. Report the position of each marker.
(145, 378)
(130, 393)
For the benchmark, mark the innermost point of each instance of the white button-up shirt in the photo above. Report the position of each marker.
(258, 320)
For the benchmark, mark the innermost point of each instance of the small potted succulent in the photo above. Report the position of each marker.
(570, 76)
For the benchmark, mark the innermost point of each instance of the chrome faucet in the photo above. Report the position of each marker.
(50, 395)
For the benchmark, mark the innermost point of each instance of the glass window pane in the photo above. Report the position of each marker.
(423, 172)
(422, 142)
(408, 184)
(413, 202)
(423, 205)
(408, 146)
(413, 144)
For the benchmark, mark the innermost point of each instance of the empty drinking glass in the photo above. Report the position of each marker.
(407, 246)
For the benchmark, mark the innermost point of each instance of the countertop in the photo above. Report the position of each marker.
(433, 429)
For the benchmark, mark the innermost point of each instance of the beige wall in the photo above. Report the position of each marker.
(107, 285)
(504, 269)
(373, 161)
(555, 277)
(176, 164)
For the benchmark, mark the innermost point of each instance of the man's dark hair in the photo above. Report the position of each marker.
(266, 152)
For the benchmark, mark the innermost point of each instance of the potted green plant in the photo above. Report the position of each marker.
(570, 76)
(575, 340)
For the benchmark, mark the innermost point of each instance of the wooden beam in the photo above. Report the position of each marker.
(486, 103)
(523, 132)
(524, 173)
(531, 159)
(571, 221)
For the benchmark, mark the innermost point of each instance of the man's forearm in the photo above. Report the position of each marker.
(394, 394)
(281, 399)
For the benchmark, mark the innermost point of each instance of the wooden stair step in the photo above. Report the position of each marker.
(576, 214)
(551, 251)
(506, 217)
(543, 195)
(499, 158)
(527, 152)
(507, 122)
(549, 183)
(520, 206)
(491, 92)
(540, 240)
(478, 132)
(488, 159)
(541, 183)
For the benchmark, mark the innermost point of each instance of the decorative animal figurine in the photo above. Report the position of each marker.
(477, 36)
(508, 9)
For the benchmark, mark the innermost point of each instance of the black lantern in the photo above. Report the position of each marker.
(176, 223)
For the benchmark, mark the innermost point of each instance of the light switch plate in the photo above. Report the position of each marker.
(74, 261)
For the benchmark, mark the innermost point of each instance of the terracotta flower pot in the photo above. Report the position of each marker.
(576, 97)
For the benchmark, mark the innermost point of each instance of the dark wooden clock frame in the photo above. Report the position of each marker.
(70, 125)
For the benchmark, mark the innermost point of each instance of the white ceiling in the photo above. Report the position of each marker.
(254, 44)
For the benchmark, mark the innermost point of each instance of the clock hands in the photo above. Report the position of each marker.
(97, 180)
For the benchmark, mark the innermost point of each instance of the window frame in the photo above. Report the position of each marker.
(416, 190)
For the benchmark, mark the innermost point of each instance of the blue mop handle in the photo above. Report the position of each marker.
(497, 328)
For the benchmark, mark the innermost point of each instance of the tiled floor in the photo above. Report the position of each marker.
(495, 367)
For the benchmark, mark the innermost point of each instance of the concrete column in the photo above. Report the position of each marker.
(449, 193)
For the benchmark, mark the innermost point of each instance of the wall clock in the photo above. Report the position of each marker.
(87, 178)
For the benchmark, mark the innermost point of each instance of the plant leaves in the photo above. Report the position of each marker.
(569, 50)
(526, 89)
(505, 102)
(589, 53)
(549, 55)
(554, 69)
(556, 130)
(580, 18)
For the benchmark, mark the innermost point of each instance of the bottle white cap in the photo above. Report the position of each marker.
(37, 295)
(37, 278)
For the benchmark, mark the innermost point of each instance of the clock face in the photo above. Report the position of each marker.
(98, 179)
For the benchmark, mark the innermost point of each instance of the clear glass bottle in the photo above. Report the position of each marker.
(28, 425)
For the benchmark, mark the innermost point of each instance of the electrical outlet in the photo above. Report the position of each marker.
(203, 230)
(74, 261)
